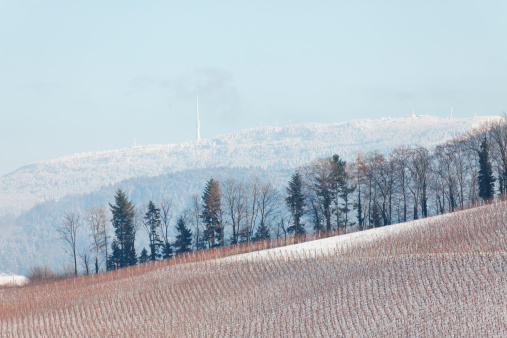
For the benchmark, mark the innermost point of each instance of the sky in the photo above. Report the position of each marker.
(81, 76)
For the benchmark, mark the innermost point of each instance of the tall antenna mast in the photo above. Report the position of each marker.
(451, 113)
(198, 123)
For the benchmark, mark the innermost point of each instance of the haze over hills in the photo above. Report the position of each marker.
(264, 147)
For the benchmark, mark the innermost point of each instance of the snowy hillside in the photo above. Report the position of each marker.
(265, 147)
(443, 276)
(12, 280)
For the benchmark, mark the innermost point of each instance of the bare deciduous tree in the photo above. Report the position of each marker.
(139, 212)
(320, 175)
(85, 261)
(166, 215)
(268, 202)
(68, 230)
(233, 194)
(97, 223)
(252, 192)
(195, 217)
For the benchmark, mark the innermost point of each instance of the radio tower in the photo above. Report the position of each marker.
(198, 124)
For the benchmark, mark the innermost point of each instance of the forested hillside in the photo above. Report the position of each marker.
(328, 193)
(264, 147)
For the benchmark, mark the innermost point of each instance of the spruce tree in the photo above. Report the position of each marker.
(347, 206)
(143, 258)
(338, 182)
(424, 201)
(114, 259)
(486, 179)
(153, 223)
(296, 202)
(324, 186)
(183, 242)
(360, 218)
(123, 223)
(168, 251)
(262, 232)
(212, 214)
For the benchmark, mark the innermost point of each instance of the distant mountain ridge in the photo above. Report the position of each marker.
(264, 147)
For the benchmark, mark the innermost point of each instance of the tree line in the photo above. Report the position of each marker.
(325, 195)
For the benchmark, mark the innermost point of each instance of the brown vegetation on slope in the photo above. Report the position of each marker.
(439, 276)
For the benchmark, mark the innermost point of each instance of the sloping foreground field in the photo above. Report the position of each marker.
(443, 276)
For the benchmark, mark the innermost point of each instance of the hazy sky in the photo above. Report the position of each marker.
(80, 76)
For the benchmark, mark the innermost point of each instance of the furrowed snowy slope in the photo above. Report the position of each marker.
(417, 230)
(264, 147)
(443, 276)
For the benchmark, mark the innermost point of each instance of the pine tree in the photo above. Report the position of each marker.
(123, 223)
(212, 214)
(360, 218)
(424, 201)
(324, 187)
(376, 217)
(486, 179)
(339, 182)
(345, 194)
(262, 232)
(114, 259)
(144, 256)
(183, 241)
(153, 223)
(296, 202)
(168, 251)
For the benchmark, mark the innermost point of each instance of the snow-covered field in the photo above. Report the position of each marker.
(441, 276)
(12, 280)
(355, 239)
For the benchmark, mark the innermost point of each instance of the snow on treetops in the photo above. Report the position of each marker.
(265, 147)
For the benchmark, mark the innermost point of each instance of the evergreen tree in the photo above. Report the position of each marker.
(168, 251)
(345, 194)
(324, 187)
(486, 179)
(201, 243)
(424, 201)
(114, 259)
(360, 218)
(339, 183)
(144, 256)
(183, 241)
(376, 217)
(212, 214)
(152, 223)
(123, 223)
(296, 202)
(262, 232)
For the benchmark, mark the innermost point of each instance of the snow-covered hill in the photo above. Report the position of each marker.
(12, 280)
(440, 276)
(265, 147)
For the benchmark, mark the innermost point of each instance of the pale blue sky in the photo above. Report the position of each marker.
(81, 76)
